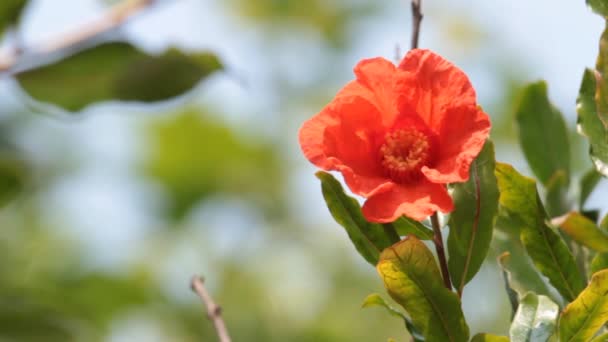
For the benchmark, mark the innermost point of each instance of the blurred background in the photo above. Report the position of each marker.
(107, 212)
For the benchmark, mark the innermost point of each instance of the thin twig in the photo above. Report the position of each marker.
(438, 241)
(114, 17)
(416, 21)
(214, 311)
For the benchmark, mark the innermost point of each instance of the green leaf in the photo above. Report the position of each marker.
(369, 238)
(116, 71)
(520, 278)
(375, 299)
(601, 338)
(588, 183)
(601, 90)
(188, 170)
(589, 123)
(10, 11)
(406, 226)
(556, 194)
(472, 221)
(519, 199)
(582, 318)
(583, 231)
(412, 279)
(483, 337)
(599, 6)
(542, 133)
(12, 175)
(534, 320)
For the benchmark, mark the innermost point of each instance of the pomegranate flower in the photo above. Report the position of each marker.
(399, 134)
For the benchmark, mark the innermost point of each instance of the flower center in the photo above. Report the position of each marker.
(403, 153)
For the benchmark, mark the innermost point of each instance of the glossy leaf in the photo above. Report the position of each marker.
(406, 226)
(519, 199)
(599, 6)
(588, 183)
(483, 337)
(369, 238)
(583, 231)
(520, 278)
(412, 279)
(10, 11)
(116, 71)
(375, 299)
(534, 320)
(589, 123)
(472, 221)
(582, 318)
(542, 133)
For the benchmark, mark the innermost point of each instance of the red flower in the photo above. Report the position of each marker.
(400, 134)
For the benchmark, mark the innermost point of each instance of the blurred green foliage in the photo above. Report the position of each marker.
(10, 11)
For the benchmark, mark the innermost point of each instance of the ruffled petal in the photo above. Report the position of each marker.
(342, 137)
(462, 135)
(378, 76)
(417, 201)
(433, 87)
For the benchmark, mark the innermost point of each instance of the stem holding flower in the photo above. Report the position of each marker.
(416, 21)
(438, 242)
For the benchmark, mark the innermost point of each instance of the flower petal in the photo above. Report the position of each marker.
(417, 201)
(342, 137)
(378, 75)
(434, 86)
(463, 133)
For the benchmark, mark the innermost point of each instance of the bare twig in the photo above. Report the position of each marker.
(438, 242)
(416, 21)
(114, 17)
(214, 312)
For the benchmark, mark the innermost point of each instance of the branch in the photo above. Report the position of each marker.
(416, 21)
(438, 241)
(214, 312)
(114, 17)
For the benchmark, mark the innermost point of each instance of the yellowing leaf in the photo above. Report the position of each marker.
(583, 231)
(412, 279)
(582, 318)
(521, 205)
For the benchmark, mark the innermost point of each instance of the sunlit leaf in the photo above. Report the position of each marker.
(116, 71)
(600, 338)
(582, 318)
(406, 226)
(589, 123)
(583, 231)
(519, 199)
(600, 261)
(534, 320)
(482, 337)
(412, 278)
(542, 134)
(588, 183)
(369, 238)
(375, 299)
(472, 221)
(10, 11)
